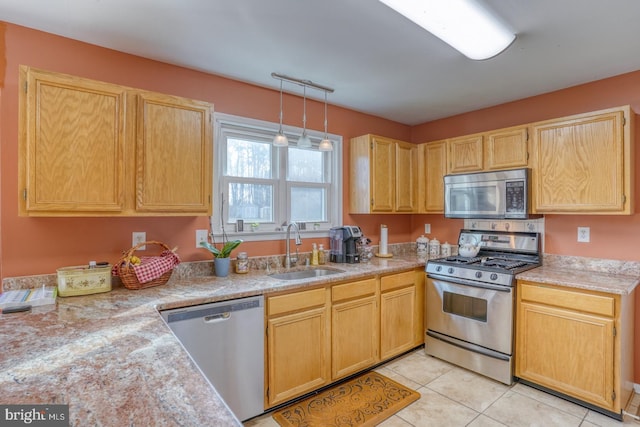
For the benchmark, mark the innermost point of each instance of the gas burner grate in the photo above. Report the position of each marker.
(502, 263)
(462, 260)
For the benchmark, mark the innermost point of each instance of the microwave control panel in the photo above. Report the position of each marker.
(516, 197)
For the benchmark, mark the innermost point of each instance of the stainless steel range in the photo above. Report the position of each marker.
(471, 300)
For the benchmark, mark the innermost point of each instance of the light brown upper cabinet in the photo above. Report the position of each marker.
(506, 148)
(173, 158)
(89, 148)
(432, 169)
(494, 150)
(584, 164)
(72, 140)
(383, 175)
(465, 154)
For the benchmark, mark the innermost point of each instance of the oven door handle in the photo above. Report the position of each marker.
(468, 346)
(468, 282)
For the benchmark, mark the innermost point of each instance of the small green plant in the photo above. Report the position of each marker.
(225, 252)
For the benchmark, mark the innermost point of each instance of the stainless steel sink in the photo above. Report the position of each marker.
(306, 274)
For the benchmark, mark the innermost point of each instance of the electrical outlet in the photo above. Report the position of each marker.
(584, 234)
(139, 237)
(201, 236)
(427, 228)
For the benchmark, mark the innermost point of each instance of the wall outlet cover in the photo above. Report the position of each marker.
(201, 236)
(584, 234)
(139, 237)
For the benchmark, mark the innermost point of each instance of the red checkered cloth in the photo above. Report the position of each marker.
(152, 267)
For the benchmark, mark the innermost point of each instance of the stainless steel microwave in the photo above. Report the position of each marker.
(492, 195)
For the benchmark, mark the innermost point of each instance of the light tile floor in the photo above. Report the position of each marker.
(452, 396)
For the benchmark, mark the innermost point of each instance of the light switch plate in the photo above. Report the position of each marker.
(427, 228)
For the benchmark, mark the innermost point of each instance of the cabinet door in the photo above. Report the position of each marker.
(298, 354)
(355, 336)
(71, 145)
(173, 155)
(465, 154)
(582, 165)
(383, 184)
(506, 149)
(435, 170)
(405, 178)
(399, 321)
(567, 351)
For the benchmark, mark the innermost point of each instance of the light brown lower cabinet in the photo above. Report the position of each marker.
(355, 338)
(401, 312)
(317, 336)
(299, 343)
(576, 342)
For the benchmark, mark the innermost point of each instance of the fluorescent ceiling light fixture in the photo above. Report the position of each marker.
(465, 25)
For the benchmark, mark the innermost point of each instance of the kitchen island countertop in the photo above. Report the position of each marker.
(114, 361)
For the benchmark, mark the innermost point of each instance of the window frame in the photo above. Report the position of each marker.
(227, 124)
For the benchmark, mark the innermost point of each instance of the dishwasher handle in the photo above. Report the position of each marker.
(214, 310)
(214, 318)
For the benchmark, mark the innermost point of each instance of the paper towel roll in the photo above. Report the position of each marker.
(384, 235)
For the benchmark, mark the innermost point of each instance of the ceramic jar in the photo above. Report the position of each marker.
(434, 248)
(422, 246)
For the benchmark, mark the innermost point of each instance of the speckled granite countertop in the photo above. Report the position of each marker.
(115, 362)
(611, 276)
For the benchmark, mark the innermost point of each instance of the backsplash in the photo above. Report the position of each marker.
(198, 268)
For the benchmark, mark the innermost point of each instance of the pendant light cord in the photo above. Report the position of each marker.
(304, 110)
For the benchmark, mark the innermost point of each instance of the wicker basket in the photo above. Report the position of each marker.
(128, 276)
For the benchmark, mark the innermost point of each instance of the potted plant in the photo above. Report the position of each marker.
(221, 260)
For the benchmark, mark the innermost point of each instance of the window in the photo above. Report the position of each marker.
(269, 186)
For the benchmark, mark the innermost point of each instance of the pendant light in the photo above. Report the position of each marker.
(304, 141)
(280, 140)
(325, 144)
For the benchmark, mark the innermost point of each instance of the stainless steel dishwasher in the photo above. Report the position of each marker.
(226, 340)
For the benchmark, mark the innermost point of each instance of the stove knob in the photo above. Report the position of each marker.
(450, 271)
(493, 276)
(438, 268)
(478, 274)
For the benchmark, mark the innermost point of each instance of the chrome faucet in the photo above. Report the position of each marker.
(288, 260)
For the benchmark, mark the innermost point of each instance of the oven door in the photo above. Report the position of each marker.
(476, 313)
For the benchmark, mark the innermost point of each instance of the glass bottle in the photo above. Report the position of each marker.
(242, 263)
(314, 254)
(321, 255)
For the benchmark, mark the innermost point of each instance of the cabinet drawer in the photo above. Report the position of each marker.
(353, 290)
(573, 300)
(395, 281)
(295, 301)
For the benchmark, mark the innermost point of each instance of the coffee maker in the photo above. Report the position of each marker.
(343, 244)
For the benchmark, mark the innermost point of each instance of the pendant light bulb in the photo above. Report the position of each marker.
(280, 140)
(304, 141)
(325, 144)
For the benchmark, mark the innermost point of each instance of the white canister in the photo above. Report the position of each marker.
(422, 245)
(445, 249)
(434, 248)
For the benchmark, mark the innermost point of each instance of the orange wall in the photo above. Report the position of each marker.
(40, 245)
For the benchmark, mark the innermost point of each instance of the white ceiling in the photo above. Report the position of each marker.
(377, 61)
